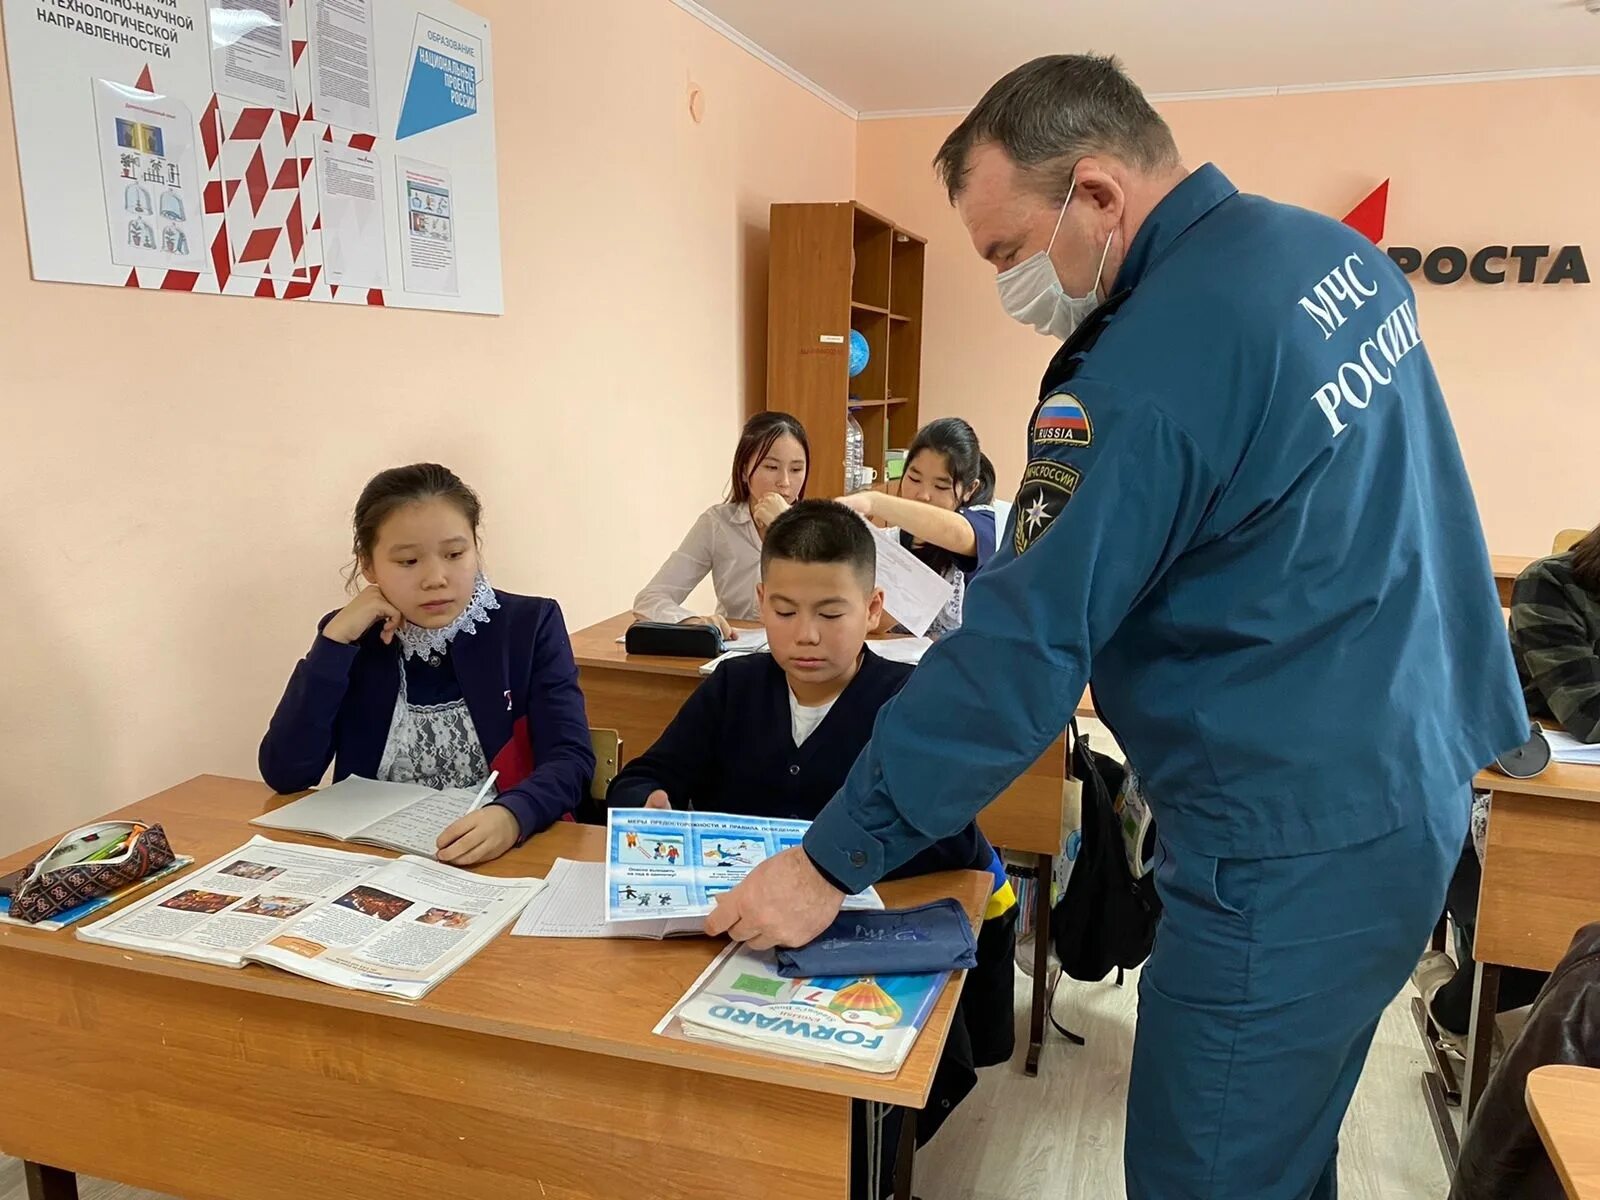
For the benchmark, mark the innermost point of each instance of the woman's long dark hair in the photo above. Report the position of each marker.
(1586, 562)
(755, 442)
(957, 443)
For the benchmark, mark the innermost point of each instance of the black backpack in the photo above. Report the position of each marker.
(1106, 919)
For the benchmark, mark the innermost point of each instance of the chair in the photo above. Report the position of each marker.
(607, 745)
(607, 761)
(1567, 539)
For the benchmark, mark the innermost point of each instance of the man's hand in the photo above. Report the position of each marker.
(783, 902)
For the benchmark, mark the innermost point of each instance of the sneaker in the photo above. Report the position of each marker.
(1433, 971)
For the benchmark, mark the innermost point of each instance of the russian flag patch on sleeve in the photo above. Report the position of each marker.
(1062, 421)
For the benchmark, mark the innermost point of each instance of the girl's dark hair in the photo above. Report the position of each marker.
(985, 492)
(958, 443)
(391, 490)
(755, 442)
(1586, 562)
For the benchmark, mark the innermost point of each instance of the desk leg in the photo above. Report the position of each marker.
(1480, 1037)
(905, 1156)
(49, 1183)
(1041, 960)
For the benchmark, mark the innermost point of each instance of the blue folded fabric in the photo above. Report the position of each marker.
(906, 941)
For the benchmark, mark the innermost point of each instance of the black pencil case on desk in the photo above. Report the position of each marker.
(674, 641)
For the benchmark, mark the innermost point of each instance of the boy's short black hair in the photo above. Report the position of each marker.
(823, 531)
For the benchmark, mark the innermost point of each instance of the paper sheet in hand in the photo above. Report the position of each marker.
(913, 592)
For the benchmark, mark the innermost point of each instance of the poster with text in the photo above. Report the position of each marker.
(343, 88)
(291, 112)
(428, 227)
(250, 52)
(152, 192)
(354, 244)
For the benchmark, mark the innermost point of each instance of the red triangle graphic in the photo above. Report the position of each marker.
(1369, 217)
(133, 279)
(145, 83)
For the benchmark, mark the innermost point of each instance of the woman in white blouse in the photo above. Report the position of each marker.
(769, 474)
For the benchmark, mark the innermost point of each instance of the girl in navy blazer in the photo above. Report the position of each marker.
(431, 676)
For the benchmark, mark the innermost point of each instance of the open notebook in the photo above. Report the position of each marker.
(573, 905)
(394, 816)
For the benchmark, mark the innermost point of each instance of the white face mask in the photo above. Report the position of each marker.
(1032, 293)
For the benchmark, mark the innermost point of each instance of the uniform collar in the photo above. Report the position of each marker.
(1200, 192)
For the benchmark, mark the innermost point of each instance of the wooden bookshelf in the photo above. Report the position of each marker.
(814, 300)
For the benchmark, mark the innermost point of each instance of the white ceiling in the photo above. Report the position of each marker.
(878, 56)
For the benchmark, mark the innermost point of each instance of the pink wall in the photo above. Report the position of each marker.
(1473, 165)
(171, 538)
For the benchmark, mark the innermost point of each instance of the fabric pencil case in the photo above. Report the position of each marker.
(78, 869)
(905, 941)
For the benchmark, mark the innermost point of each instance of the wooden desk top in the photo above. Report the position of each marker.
(1562, 781)
(1565, 1105)
(601, 996)
(1509, 566)
(598, 649)
(597, 646)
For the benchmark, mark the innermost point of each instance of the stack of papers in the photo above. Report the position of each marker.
(1568, 749)
(895, 649)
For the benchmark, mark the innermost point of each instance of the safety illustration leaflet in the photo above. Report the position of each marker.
(665, 862)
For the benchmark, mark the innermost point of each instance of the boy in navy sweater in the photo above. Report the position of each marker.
(774, 735)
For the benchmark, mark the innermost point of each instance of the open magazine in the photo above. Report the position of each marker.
(395, 926)
(867, 1022)
(394, 816)
(672, 863)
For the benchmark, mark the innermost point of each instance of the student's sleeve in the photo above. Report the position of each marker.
(1559, 651)
(982, 519)
(662, 598)
(1101, 525)
(681, 761)
(299, 744)
(558, 728)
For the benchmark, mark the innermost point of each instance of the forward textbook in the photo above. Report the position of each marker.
(393, 926)
(868, 1022)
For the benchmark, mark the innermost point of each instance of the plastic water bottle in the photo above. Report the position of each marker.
(855, 455)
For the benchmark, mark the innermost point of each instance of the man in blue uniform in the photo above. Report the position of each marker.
(1245, 514)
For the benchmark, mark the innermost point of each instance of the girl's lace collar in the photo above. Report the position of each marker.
(431, 645)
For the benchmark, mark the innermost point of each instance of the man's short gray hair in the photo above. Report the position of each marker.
(1052, 111)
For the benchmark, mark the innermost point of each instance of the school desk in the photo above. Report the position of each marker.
(531, 1072)
(1564, 1103)
(1541, 884)
(1506, 568)
(638, 695)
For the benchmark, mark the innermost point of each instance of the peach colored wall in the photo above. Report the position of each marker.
(170, 539)
(1473, 165)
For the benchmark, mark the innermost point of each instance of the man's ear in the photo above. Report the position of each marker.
(875, 604)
